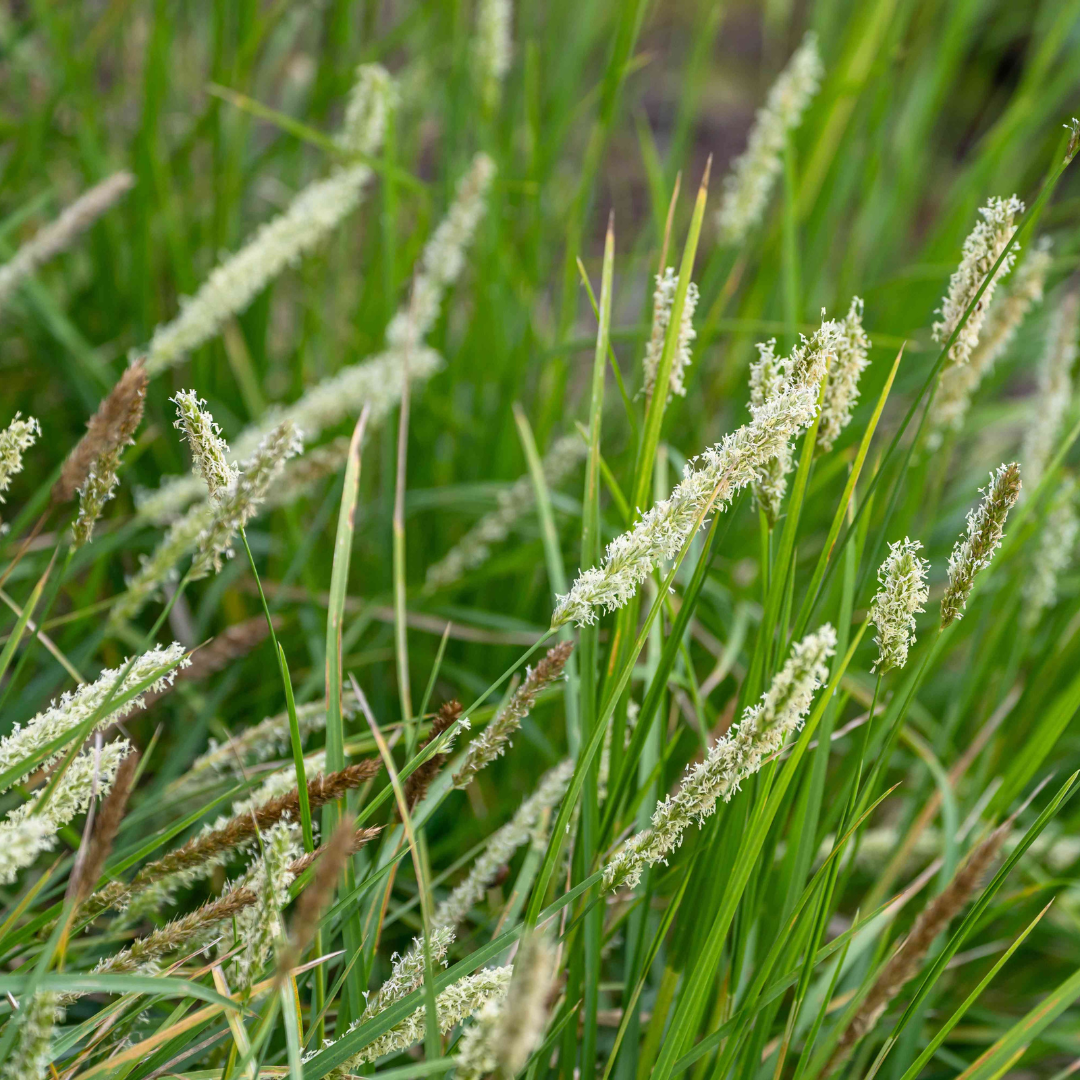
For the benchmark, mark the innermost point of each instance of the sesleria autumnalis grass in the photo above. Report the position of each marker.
(624, 675)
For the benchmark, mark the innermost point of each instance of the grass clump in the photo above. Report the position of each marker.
(456, 621)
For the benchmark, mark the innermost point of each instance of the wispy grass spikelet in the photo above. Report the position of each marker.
(320, 891)
(713, 480)
(257, 929)
(60, 234)
(37, 1018)
(905, 962)
(266, 739)
(213, 847)
(443, 258)
(64, 715)
(143, 953)
(985, 528)
(666, 285)
(15, 440)
(209, 528)
(407, 972)
(492, 47)
(753, 174)
(981, 250)
(377, 382)
(475, 547)
(1054, 389)
(494, 739)
(842, 389)
(279, 243)
(737, 755)
(501, 846)
(1057, 547)
(247, 824)
(506, 1032)
(458, 1001)
(902, 577)
(1010, 307)
(371, 100)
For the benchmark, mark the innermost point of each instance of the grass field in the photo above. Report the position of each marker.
(571, 572)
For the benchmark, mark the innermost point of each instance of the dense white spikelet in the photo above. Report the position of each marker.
(15, 440)
(279, 243)
(842, 389)
(1054, 390)
(513, 502)
(475, 1057)
(209, 528)
(209, 451)
(407, 972)
(98, 488)
(371, 100)
(235, 506)
(903, 592)
(256, 929)
(711, 480)
(31, 1054)
(985, 528)
(443, 259)
(492, 47)
(749, 184)
(60, 234)
(501, 846)
(233, 284)
(74, 707)
(738, 754)
(458, 1001)
(663, 300)
(767, 381)
(1057, 546)
(959, 382)
(23, 842)
(27, 831)
(981, 250)
(379, 381)
(506, 1032)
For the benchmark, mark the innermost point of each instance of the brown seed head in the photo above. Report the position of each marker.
(106, 826)
(109, 429)
(904, 964)
(417, 784)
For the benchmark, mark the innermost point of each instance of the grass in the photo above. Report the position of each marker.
(750, 950)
